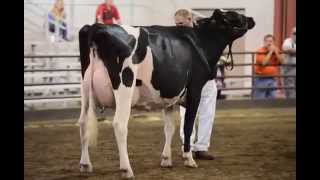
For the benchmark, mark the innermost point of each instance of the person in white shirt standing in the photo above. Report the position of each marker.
(207, 106)
(289, 47)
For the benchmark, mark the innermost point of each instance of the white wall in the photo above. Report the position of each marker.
(150, 12)
(156, 12)
(262, 11)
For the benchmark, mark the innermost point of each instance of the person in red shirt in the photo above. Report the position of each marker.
(266, 68)
(107, 13)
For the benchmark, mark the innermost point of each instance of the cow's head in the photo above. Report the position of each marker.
(232, 24)
(228, 25)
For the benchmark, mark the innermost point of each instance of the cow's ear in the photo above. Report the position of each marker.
(217, 14)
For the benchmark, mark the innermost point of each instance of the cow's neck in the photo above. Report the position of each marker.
(213, 44)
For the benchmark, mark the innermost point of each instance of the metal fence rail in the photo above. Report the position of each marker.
(69, 57)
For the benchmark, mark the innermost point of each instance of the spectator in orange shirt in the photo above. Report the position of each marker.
(266, 67)
(107, 13)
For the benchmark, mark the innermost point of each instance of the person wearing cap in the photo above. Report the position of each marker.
(289, 47)
(207, 106)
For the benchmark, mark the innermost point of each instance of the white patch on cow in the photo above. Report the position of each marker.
(145, 74)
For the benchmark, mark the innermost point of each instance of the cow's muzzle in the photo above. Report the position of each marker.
(250, 22)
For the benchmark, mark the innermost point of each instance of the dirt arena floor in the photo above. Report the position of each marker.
(249, 144)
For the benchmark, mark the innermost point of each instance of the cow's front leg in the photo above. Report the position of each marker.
(169, 128)
(193, 99)
(123, 98)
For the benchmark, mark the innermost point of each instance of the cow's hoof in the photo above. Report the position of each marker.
(190, 163)
(86, 168)
(166, 162)
(188, 160)
(126, 174)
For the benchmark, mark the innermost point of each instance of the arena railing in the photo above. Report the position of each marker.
(64, 57)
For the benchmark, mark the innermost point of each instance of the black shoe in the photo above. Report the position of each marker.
(203, 155)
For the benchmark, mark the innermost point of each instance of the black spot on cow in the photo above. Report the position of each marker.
(127, 77)
(116, 81)
(138, 82)
(114, 71)
(141, 50)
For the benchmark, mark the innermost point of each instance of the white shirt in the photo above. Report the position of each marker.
(289, 44)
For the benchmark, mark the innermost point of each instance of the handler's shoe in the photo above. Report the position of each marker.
(203, 155)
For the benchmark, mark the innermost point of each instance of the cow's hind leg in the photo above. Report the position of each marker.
(120, 124)
(169, 128)
(85, 164)
(123, 96)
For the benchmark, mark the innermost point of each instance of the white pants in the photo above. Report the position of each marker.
(206, 113)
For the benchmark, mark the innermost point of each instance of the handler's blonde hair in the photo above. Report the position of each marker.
(184, 13)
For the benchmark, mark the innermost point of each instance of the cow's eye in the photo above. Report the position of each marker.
(236, 22)
(225, 20)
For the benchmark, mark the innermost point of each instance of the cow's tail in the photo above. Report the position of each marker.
(92, 123)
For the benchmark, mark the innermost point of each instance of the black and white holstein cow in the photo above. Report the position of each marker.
(123, 65)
